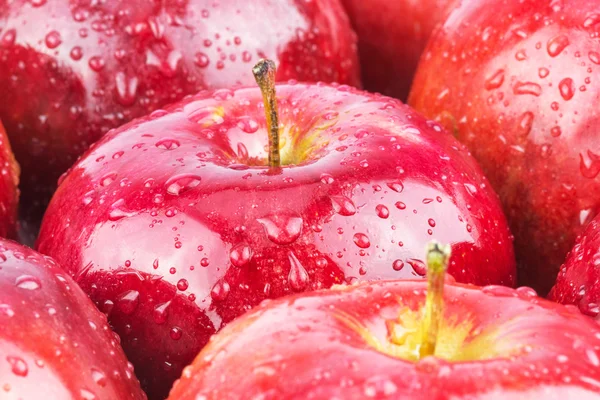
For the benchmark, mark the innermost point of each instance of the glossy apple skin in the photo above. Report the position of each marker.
(391, 37)
(9, 193)
(69, 72)
(520, 93)
(179, 207)
(298, 348)
(54, 343)
(578, 280)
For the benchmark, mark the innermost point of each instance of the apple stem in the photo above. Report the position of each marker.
(437, 263)
(264, 73)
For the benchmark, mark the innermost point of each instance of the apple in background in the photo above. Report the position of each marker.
(72, 70)
(177, 223)
(54, 343)
(9, 193)
(520, 92)
(578, 281)
(391, 38)
(367, 342)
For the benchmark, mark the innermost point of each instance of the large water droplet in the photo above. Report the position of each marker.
(418, 266)
(28, 282)
(298, 277)
(240, 254)
(283, 227)
(99, 377)
(17, 365)
(168, 144)
(161, 312)
(589, 166)
(181, 183)
(525, 123)
(527, 88)
(343, 205)
(495, 81)
(53, 40)
(128, 301)
(362, 240)
(126, 88)
(567, 88)
(220, 291)
(382, 211)
(557, 44)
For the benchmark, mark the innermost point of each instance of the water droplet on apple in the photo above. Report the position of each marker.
(161, 312)
(86, 394)
(499, 291)
(220, 291)
(361, 240)
(567, 89)
(168, 144)
(181, 183)
(495, 81)
(298, 277)
(18, 366)
(557, 44)
(382, 211)
(283, 227)
(175, 333)
(53, 39)
(240, 254)
(525, 123)
(118, 211)
(589, 166)
(397, 265)
(126, 88)
(343, 205)
(530, 88)
(182, 285)
(99, 377)
(397, 187)
(28, 282)
(247, 124)
(418, 266)
(128, 301)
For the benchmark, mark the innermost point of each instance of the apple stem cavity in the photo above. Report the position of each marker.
(438, 257)
(264, 73)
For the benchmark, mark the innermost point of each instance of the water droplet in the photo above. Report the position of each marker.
(126, 89)
(543, 72)
(521, 55)
(397, 187)
(589, 168)
(527, 88)
(499, 291)
(220, 291)
(182, 284)
(99, 377)
(382, 211)
(175, 333)
(247, 124)
(119, 211)
(87, 395)
(6, 311)
(431, 222)
(567, 88)
(168, 144)
(495, 81)
(8, 39)
(28, 282)
(298, 277)
(327, 179)
(525, 123)
(555, 131)
(17, 366)
(283, 227)
(400, 205)
(362, 240)
(108, 179)
(397, 265)
(161, 312)
(96, 63)
(128, 301)
(179, 184)
(557, 44)
(53, 40)
(594, 57)
(418, 266)
(240, 254)
(76, 53)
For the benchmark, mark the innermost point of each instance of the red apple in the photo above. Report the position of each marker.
(54, 344)
(391, 38)
(515, 81)
(369, 341)
(9, 194)
(578, 281)
(175, 225)
(70, 70)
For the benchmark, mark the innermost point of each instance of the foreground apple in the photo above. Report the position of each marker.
(578, 281)
(385, 340)
(179, 222)
(520, 93)
(72, 70)
(54, 344)
(391, 38)
(9, 193)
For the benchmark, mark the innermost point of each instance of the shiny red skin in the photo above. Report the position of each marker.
(9, 193)
(69, 71)
(117, 224)
(578, 281)
(297, 348)
(54, 343)
(391, 37)
(519, 92)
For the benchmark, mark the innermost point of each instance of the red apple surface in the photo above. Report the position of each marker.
(520, 92)
(391, 38)
(175, 225)
(54, 344)
(70, 70)
(9, 193)
(578, 281)
(494, 343)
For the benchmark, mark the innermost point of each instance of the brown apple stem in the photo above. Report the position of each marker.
(437, 263)
(264, 73)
